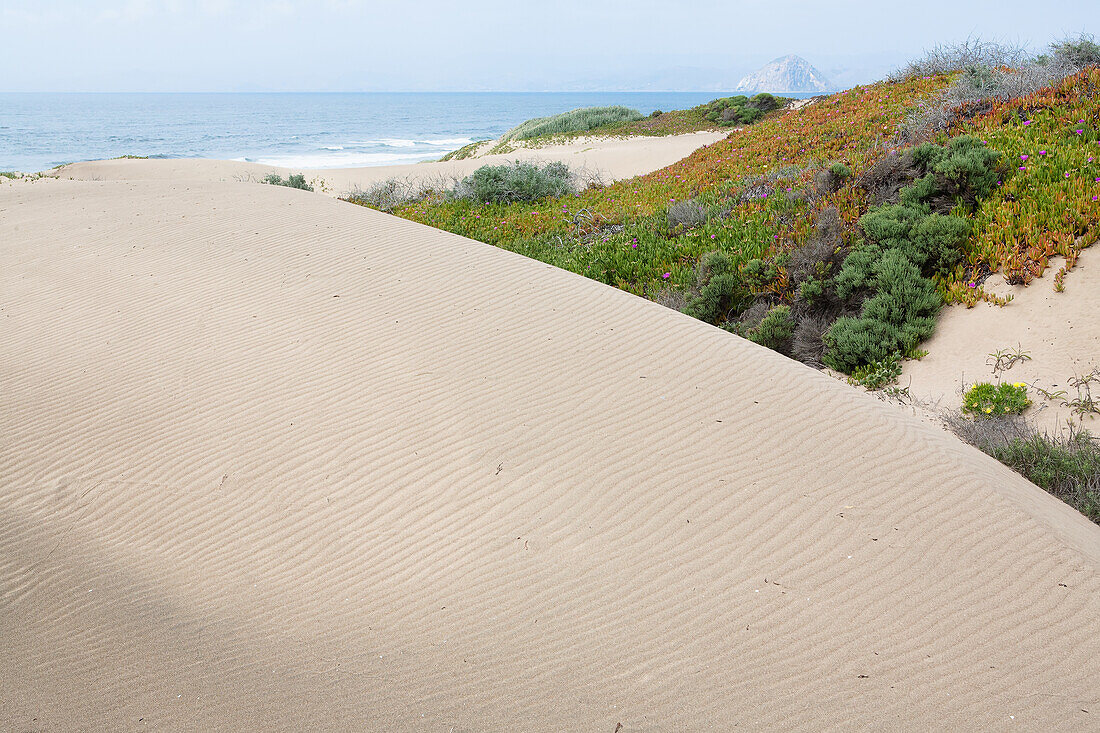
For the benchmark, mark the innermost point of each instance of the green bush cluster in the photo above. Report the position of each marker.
(986, 400)
(578, 120)
(295, 180)
(740, 110)
(720, 290)
(907, 243)
(774, 330)
(516, 182)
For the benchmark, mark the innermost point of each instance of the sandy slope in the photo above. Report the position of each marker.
(612, 158)
(273, 461)
(1060, 331)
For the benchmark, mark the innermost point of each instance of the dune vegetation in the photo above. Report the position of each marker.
(577, 120)
(294, 180)
(845, 223)
(833, 233)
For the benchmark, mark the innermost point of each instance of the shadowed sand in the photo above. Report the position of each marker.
(273, 461)
(611, 158)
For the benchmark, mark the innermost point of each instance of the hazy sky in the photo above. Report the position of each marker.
(362, 45)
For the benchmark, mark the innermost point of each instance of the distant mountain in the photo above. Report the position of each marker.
(786, 74)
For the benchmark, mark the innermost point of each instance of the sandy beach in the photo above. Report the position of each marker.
(274, 461)
(610, 159)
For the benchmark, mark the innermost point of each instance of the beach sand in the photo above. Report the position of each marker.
(273, 461)
(1058, 331)
(611, 159)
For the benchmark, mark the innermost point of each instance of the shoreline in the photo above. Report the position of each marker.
(611, 158)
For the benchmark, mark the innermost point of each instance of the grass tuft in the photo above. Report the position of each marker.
(578, 120)
(1066, 464)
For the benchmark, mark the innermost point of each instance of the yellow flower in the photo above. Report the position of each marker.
(1018, 384)
(989, 409)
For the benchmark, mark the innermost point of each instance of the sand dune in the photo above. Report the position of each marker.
(273, 461)
(612, 158)
(1059, 331)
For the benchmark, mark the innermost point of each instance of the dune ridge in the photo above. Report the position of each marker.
(274, 461)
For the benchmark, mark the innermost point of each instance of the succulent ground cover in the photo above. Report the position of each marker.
(1050, 205)
(751, 230)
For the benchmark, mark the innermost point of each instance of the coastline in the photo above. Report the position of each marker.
(611, 158)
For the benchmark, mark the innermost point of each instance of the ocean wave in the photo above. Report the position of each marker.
(456, 142)
(399, 142)
(346, 160)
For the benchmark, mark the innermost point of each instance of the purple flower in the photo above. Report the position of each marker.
(667, 275)
(1027, 122)
(1078, 131)
(1023, 157)
(1023, 168)
(1042, 152)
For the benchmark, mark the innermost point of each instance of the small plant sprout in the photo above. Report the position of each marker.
(1004, 359)
(1084, 404)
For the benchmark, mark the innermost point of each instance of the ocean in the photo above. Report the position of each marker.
(39, 131)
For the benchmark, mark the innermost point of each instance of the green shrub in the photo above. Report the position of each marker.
(295, 180)
(853, 341)
(896, 318)
(877, 375)
(812, 290)
(1077, 52)
(985, 399)
(764, 102)
(739, 110)
(720, 290)
(775, 329)
(757, 273)
(964, 169)
(832, 178)
(516, 182)
(908, 243)
(578, 120)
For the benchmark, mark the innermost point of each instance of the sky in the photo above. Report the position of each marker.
(487, 45)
